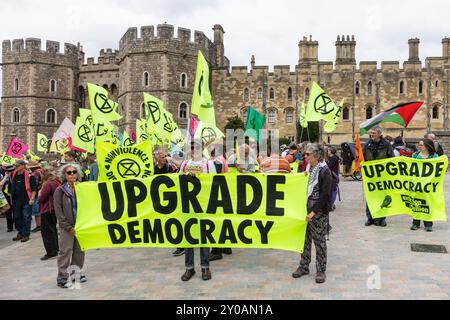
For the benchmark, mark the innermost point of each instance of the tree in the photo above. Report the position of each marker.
(308, 134)
(235, 123)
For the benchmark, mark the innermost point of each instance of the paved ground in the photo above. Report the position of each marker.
(249, 274)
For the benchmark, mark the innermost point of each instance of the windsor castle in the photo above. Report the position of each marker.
(42, 87)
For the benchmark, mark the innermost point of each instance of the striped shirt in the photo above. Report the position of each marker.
(275, 164)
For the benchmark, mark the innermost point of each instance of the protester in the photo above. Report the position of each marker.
(162, 166)
(6, 208)
(36, 172)
(93, 167)
(49, 231)
(333, 163)
(23, 188)
(70, 157)
(375, 149)
(437, 145)
(318, 204)
(246, 163)
(294, 154)
(65, 205)
(304, 163)
(426, 151)
(197, 165)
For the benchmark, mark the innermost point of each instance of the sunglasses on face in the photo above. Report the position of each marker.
(70, 173)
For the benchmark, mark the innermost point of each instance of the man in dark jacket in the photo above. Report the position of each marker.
(376, 149)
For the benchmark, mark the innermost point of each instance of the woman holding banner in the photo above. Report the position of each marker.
(197, 165)
(65, 206)
(319, 192)
(426, 151)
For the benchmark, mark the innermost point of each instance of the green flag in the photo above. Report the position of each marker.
(202, 104)
(103, 109)
(42, 143)
(320, 105)
(255, 122)
(303, 121)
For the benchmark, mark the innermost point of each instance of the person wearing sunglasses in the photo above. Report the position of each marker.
(65, 206)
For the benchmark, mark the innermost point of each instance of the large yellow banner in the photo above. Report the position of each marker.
(237, 211)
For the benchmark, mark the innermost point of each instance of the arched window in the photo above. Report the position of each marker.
(357, 87)
(245, 116)
(16, 84)
(306, 94)
(271, 94)
(146, 79)
(289, 116)
(346, 113)
(142, 110)
(437, 83)
(420, 87)
(105, 86)
(114, 90)
(402, 87)
(183, 81)
(369, 112)
(369, 88)
(182, 113)
(260, 93)
(272, 116)
(82, 97)
(52, 85)
(289, 93)
(246, 94)
(50, 116)
(435, 114)
(16, 115)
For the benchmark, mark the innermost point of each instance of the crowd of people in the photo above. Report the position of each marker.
(46, 191)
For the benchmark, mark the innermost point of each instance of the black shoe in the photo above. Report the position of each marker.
(65, 284)
(299, 273)
(227, 251)
(320, 277)
(382, 223)
(369, 223)
(188, 275)
(25, 239)
(47, 257)
(178, 252)
(37, 229)
(213, 257)
(206, 274)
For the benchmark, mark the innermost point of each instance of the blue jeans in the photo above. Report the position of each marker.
(35, 209)
(333, 197)
(22, 216)
(189, 258)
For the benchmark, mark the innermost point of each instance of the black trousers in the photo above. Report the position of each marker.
(426, 223)
(10, 219)
(49, 233)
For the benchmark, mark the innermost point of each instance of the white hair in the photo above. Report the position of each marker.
(63, 169)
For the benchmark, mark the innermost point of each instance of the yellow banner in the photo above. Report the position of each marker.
(237, 211)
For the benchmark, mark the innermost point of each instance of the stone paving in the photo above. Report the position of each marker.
(249, 274)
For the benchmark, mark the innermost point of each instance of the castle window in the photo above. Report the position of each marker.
(402, 87)
(260, 93)
(182, 113)
(369, 88)
(357, 85)
(271, 116)
(289, 116)
(146, 79)
(369, 112)
(306, 94)
(183, 81)
(271, 94)
(245, 116)
(142, 110)
(437, 83)
(435, 112)
(346, 113)
(16, 84)
(52, 85)
(420, 87)
(16, 115)
(289, 93)
(50, 116)
(82, 97)
(105, 86)
(246, 94)
(114, 90)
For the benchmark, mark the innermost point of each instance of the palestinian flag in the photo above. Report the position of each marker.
(400, 114)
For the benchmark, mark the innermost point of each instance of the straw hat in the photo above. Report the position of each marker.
(33, 165)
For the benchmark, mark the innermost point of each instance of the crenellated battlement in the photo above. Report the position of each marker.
(165, 36)
(34, 45)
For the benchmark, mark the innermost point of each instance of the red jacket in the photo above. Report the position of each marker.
(46, 196)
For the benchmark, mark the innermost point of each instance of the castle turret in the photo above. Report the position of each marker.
(345, 50)
(219, 46)
(413, 50)
(308, 50)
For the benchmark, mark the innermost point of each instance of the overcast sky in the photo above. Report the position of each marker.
(270, 29)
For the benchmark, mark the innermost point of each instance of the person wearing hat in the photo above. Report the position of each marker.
(7, 208)
(23, 188)
(36, 171)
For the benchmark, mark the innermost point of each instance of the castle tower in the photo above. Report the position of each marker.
(164, 66)
(446, 47)
(345, 50)
(39, 89)
(219, 46)
(414, 50)
(308, 51)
